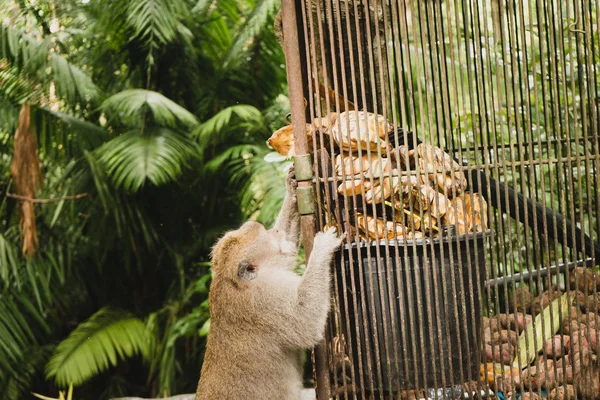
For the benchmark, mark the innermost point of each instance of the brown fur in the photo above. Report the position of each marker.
(263, 314)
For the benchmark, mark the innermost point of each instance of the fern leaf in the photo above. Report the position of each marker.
(97, 344)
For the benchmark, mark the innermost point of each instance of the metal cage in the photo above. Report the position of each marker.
(490, 101)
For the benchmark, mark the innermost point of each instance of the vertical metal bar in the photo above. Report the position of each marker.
(296, 91)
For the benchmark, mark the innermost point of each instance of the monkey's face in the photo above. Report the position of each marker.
(240, 254)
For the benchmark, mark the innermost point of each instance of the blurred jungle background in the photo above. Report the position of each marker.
(150, 119)
(139, 128)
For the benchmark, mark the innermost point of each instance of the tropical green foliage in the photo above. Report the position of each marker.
(156, 112)
(96, 344)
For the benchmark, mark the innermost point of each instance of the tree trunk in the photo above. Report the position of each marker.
(27, 177)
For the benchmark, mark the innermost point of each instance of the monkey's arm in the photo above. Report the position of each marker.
(312, 306)
(288, 220)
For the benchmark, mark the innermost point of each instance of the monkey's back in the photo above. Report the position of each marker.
(257, 371)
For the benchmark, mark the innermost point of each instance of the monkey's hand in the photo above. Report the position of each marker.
(327, 242)
(288, 220)
(291, 183)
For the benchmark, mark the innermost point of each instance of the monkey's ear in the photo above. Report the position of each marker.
(247, 271)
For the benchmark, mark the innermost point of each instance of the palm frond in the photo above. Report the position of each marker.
(264, 186)
(23, 51)
(20, 379)
(156, 23)
(9, 116)
(261, 183)
(201, 7)
(20, 321)
(96, 344)
(131, 107)
(172, 331)
(58, 130)
(128, 217)
(15, 87)
(71, 82)
(209, 130)
(9, 262)
(159, 156)
(253, 25)
(34, 59)
(238, 152)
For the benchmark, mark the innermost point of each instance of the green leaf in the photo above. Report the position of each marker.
(543, 327)
(274, 157)
(159, 155)
(72, 134)
(232, 154)
(97, 344)
(36, 60)
(71, 82)
(15, 87)
(156, 23)
(254, 24)
(216, 124)
(201, 7)
(9, 262)
(131, 107)
(205, 328)
(21, 376)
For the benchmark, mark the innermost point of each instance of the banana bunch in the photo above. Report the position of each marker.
(424, 185)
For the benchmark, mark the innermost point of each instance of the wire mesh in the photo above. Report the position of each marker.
(456, 142)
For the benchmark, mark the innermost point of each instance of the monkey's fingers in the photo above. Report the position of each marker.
(291, 182)
(331, 228)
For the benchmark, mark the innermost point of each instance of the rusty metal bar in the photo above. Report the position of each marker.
(296, 91)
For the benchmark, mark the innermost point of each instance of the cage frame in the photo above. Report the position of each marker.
(298, 85)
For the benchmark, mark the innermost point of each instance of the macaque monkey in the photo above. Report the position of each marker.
(263, 315)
